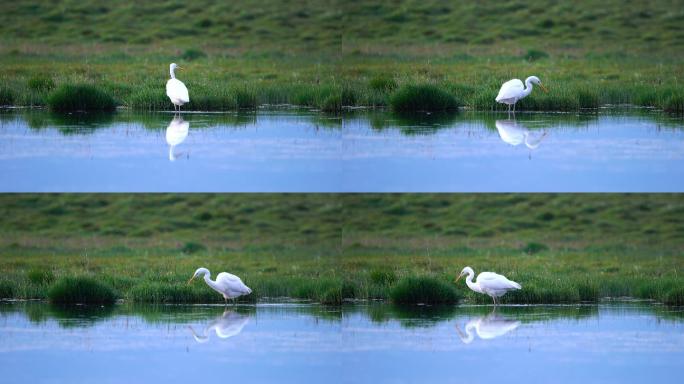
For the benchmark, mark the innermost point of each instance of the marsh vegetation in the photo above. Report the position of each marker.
(335, 248)
(328, 56)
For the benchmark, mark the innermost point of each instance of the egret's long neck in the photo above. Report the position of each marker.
(173, 74)
(474, 286)
(528, 86)
(210, 282)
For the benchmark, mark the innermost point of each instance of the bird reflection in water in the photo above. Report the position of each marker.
(176, 133)
(225, 326)
(515, 134)
(487, 327)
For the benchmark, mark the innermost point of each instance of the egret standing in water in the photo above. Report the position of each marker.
(489, 283)
(176, 90)
(230, 286)
(513, 90)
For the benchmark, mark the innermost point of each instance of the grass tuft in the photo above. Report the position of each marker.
(191, 247)
(423, 97)
(40, 276)
(41, 83)
(163, 293)
(535, 54)
(6, 96)
(675, 296)
(424, 290)
(193, 54)
(80, 97)
(7, 289)
(383, 277)
(81, 290)
(532, 248)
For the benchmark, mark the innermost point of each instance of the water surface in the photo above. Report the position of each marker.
(617, 343)
(304, 151)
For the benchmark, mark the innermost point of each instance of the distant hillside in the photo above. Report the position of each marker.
(375, 25)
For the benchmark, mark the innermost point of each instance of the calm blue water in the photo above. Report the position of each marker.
(610, 343)
(295, 151)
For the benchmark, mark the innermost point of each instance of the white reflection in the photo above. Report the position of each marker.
(487, 327)
(515, 134)
(225, 326)
(176, 133)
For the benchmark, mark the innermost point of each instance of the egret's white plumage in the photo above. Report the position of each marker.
(514, 134)
(514, 90)
(487, 327)
(488, 283)
(176, 133)
(225, 326)
(175, 89)
(230, 286)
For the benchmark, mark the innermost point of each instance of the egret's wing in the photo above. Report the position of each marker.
(494, 281)
(176, 90)
(232, 283)
(510, 89)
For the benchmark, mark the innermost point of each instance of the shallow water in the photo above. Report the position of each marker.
(300, 151)
(380, 343)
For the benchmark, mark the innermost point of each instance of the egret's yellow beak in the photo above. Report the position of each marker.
(543, 88)
(179, 67)
(191, 279)
(458, 278)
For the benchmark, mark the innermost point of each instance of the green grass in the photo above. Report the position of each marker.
(81, 290)
(333, 248)
(329, 55)
(423, 290)
(80, 97)
(422, 98)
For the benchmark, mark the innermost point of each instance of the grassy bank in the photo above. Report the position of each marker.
(331, 248)
(327, 55)
(231, 84)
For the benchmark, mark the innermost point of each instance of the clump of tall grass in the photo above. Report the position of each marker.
(533, 247)
(193, 54)
(422, 97)
(382, 83)
(7, 289)
(424, 290)
(192, 247)
(80, 97)
(383, 277)
(41, 83)
(246, 98)
(535, 54)
(40, 276)
(165, 293)
(81, 290)
(675, 296)
(332, 103)
(6, 96)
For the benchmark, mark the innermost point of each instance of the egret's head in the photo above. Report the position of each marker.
(174, 66)
(199, 272)
(535, 80)
(465, 271)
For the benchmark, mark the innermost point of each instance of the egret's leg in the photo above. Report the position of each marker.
(225, 301)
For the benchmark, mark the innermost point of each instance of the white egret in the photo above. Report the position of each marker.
(487, 327)
(513, 90)
(230, 286)
(225, 326)
(176, 133)
(176, 90)
(488, 283)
